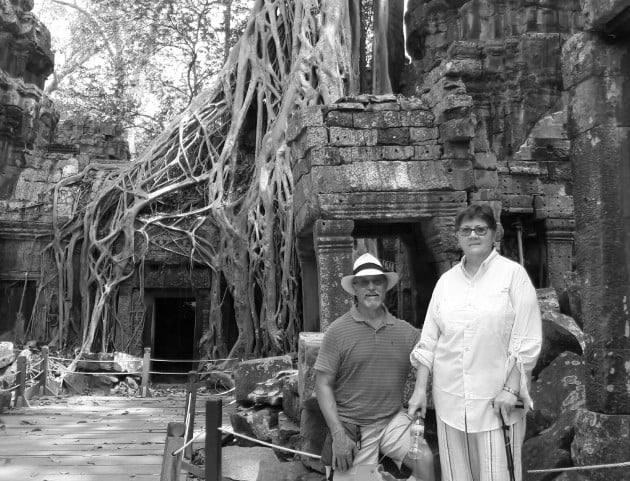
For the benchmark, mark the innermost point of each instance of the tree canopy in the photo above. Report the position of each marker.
(138, 63)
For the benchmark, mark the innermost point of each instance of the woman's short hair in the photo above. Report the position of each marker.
(483, 212)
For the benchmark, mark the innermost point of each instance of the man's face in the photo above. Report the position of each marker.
(370, 291)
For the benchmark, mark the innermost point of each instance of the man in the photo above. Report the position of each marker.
(361, 370)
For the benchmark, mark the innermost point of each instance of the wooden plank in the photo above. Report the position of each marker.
(89, 437)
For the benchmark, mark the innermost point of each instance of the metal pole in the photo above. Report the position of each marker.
(213, 439)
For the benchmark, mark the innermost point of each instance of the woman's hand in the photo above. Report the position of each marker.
(417, 401)
(504, 403)
(344, 450)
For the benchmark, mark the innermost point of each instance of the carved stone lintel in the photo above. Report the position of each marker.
(333, 247)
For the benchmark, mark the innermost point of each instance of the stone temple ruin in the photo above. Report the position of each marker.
(521, 104)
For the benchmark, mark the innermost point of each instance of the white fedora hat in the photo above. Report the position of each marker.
(368, 265)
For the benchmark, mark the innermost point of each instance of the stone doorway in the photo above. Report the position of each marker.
(402, 248)
(173, 335)
(16, 305)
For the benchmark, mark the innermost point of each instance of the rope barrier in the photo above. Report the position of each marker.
(580, 468)
(254, 440)
(196, 360)
(274, 446)
(151, 359)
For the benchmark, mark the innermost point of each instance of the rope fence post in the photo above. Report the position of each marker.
(171, 464)
(43, 376)
(20, 399)
(213, 439)
(146, 366)
(191, 403)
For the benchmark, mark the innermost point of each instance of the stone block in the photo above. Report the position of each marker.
(486, 179)
(550, 448)
(377, 120)
(485, 160)
(387, 176)
(352, 106)
(393, 136)
(515, 204)
(308, 349)
(291, 398)
(416, 118)
(559, 205)
(419, 135)
(427, 152)
(453, 106)
(601, 439)
(412, 103)
(313, 429)
(484, 195)
(380, 107)
(403, 152)
(336, 118)
(244, 464)
(303, 118)
(76, 383)
(457, 130)
(560, 387)
(466, 68)
(248, 373)
(7, 355)
(520, 184)
(311, 137)
(341, 137)
(462, 150)
(460, 173)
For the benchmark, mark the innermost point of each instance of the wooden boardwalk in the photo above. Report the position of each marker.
(90, 438)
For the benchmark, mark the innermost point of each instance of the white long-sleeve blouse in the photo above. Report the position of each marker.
(476, 330)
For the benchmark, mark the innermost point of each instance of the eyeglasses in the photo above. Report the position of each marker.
(480, 230)
(365, 281)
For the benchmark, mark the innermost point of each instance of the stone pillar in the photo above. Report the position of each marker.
(442, 241)
(310, 285)
(597, 74)
(559, 250)
(333, 247)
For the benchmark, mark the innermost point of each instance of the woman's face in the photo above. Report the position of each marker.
(475, 238)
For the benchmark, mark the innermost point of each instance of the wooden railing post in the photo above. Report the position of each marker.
(146, 367)
(43, 375)
(191, 404)
(20, 399)
(213, 440)
(171, 465)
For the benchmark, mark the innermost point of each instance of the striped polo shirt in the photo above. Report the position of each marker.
(370, 365)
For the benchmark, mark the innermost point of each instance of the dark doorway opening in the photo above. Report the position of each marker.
(16, 306)
(174, 337)
(402, 248)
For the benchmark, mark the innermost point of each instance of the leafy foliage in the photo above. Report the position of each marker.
(137, 63)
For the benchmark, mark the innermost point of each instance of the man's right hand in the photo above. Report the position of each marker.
(417, 401)
(343, 450)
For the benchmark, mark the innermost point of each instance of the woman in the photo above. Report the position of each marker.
(481, 339)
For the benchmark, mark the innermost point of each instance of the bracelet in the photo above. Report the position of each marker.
(510, 390)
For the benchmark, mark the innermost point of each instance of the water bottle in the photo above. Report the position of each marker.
(417, 438)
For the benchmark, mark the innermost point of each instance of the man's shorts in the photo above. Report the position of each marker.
(389, 438)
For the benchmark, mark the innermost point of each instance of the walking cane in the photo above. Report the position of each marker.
(508, 447)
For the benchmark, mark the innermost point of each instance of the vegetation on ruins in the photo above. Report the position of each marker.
(216, 185)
